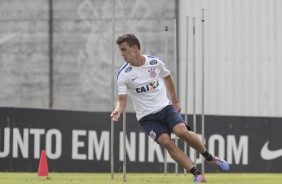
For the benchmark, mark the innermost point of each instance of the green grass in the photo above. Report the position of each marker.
(105, 178)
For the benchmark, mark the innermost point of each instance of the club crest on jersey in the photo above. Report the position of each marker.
(148, 87)
(128, 69)
(153, 73)
(153, 62)
(153, 134)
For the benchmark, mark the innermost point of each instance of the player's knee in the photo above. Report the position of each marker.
(180, 130)
(165, 141)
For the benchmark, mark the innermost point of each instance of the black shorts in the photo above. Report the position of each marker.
(161, 122)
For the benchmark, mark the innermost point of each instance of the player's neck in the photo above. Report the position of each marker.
(140, 60)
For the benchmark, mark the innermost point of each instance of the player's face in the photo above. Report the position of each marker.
(127, 52)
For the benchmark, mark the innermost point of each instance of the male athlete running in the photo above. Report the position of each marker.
(147, 79)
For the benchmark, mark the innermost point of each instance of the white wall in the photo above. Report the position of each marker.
(243, 62)
(242, 55)
(82, 41)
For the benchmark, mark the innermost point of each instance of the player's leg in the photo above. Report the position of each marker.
(193, 140)
(179, 156)
(190, 137)
(175, 153)
(177, 125)
(160, 133)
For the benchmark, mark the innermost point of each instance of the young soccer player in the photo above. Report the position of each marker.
(147, 79)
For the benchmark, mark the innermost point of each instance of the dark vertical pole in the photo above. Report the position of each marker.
(186, 82)
(50, 53)
(194, 85)
(176, 45)
(166, 60)
(112, 85)
(124, 112)
(203, 84)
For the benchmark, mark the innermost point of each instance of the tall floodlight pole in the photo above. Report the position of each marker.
(203, 84)
(194, 83)
(112, 83)
(186, 82)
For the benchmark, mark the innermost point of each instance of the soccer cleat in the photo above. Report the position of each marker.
(221, 164)
(199, 178)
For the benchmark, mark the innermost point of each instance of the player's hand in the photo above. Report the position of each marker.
(177, 106)
(115, 115)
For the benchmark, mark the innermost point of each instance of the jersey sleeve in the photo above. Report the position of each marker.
(121, 87)
(164, 71)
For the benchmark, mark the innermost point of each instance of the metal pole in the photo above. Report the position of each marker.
(176, 83)
(124, 16)
(124, 146)
(124, 114)
(186, 82)
(166, 58)
(112, 83)
(203, 85)
(50, 54)
(194, 82)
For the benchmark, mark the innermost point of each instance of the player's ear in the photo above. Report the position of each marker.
(135, 47)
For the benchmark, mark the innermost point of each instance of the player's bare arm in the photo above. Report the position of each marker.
(120, 106)
(172, 92)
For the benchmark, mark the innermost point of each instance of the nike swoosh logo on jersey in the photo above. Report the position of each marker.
(267, 154)
(134, 79)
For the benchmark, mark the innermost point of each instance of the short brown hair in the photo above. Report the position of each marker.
(130, 39)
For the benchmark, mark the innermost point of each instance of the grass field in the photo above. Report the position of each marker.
(103, 178)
